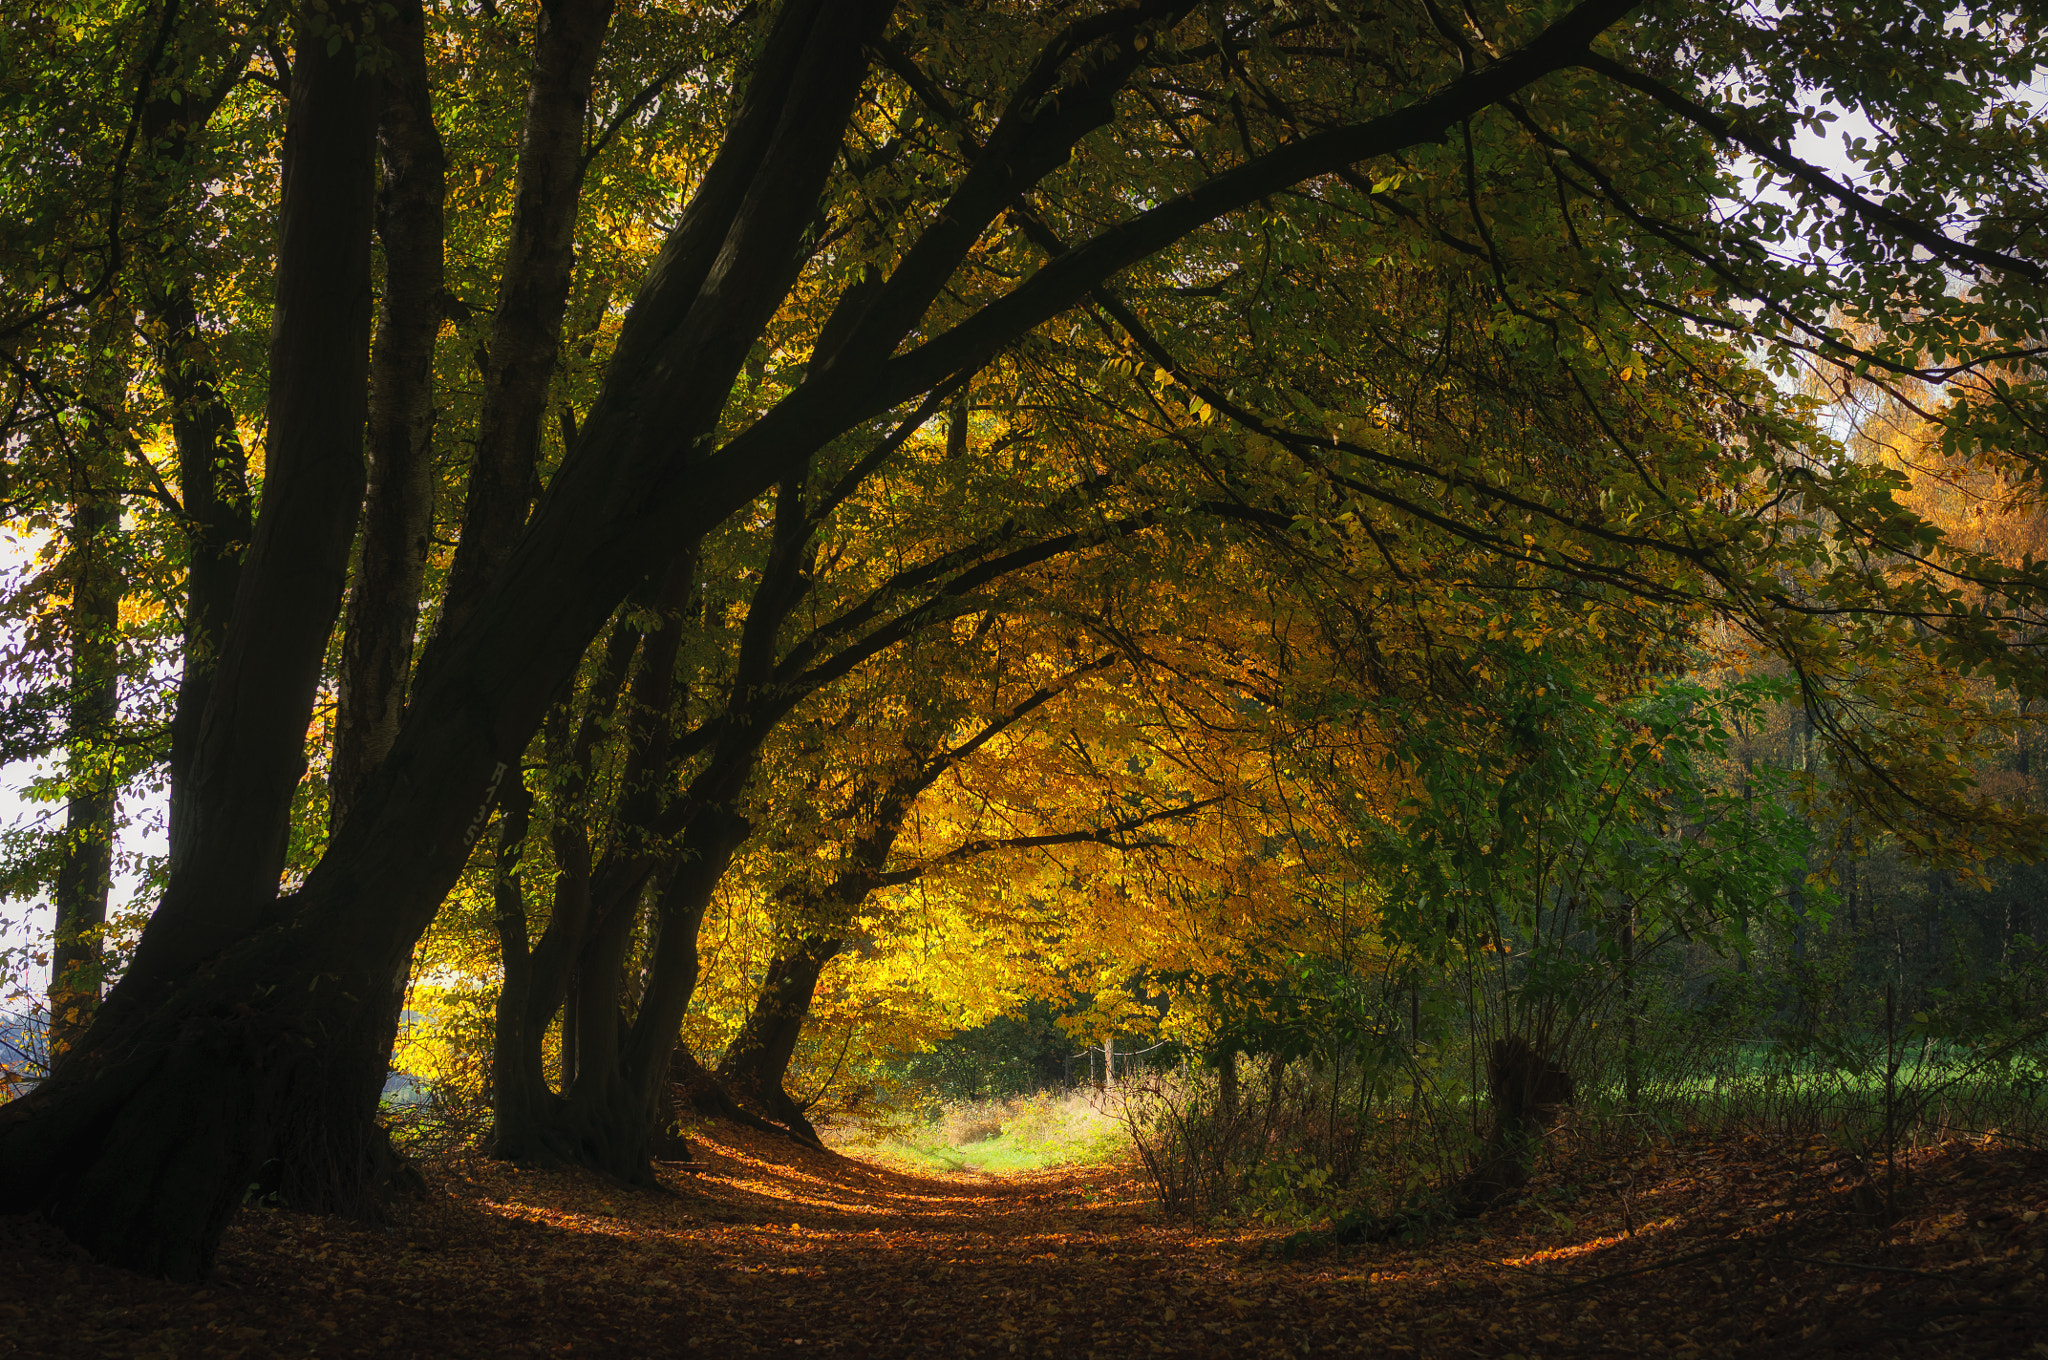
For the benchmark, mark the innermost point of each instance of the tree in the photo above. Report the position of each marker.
(678, 807)
(1568, 840)
(838, 580)
(901, 197)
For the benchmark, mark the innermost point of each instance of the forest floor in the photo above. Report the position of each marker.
(1739, 1247)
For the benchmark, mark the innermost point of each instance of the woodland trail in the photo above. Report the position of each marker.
(772, 1249)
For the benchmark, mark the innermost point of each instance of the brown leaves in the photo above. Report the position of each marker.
(1741, 1249)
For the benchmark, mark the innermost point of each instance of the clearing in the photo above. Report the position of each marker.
(1726, 1247)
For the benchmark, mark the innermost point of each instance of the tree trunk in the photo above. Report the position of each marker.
(612, 1119)
(213, 474)
(398, 517)
(611, 1115)
(1528, 1090)
(143, 1144)
(580, 967)
(213, 487)
(250, 750)
(520, 1098)
(540, 261)
(756, 1063)
(390, 561)
(327, 1150)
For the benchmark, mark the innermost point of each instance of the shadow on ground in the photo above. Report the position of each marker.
(767, 1248)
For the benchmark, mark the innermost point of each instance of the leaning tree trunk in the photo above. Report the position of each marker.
(212, 466)
(145, 1139)
(390, 565)
(398, 513)
(230, 838)
(143, 1145)
(539, 265)
(756, 1063)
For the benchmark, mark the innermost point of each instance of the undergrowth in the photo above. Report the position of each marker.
(1360, 1153)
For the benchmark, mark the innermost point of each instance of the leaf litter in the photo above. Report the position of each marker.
(1709, 1247)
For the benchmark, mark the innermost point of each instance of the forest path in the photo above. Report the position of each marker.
(767, 1248)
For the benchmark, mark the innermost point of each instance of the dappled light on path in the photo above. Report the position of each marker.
(767, 1248)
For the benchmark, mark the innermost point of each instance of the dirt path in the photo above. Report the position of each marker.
(773, 1249)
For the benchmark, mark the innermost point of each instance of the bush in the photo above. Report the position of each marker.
(1297, 1145)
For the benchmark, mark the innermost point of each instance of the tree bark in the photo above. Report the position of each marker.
(756, 1063)
(213, 488)
(398, 517)
(611, 1114)
(250, 750)
(526, 332)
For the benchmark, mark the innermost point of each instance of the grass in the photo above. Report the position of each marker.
(994, 1137)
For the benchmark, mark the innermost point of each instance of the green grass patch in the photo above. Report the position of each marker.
(1024, 1133)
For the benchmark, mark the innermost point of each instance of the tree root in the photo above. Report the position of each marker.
(694, 1088)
